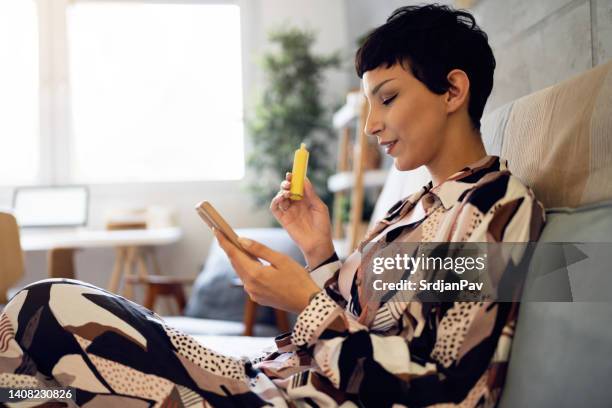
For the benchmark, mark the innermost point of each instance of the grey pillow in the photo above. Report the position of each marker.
(214, 295)
(561, 351)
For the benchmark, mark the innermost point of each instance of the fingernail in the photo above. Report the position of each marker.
(245, 242)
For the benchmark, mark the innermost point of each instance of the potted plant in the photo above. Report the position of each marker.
(290, 111)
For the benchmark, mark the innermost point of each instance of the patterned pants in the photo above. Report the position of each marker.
(115, 353)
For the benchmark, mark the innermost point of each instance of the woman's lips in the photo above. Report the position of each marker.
(389, 147)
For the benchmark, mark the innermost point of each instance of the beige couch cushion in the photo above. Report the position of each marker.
(559, 140)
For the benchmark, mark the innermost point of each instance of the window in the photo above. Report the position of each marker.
(156, 92)
(19, 104)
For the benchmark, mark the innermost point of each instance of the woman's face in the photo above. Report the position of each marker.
(407, 118)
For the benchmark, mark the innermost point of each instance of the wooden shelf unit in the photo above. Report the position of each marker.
(348, 120)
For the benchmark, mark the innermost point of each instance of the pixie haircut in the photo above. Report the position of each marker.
(433, 40)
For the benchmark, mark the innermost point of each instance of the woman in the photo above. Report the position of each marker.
(427, 74)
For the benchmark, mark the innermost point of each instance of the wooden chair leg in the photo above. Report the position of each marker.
(141, 262)
(179, 296)
(115, 279)
(250, 311)
(282, 322)
(151, 293)
(128, 272)
(153, 290)
(60, 263)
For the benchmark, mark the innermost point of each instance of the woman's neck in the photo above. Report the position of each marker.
(459, 150)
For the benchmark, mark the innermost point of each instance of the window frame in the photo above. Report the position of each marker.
(36, 107)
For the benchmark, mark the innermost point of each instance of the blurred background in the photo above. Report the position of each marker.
(155, 105)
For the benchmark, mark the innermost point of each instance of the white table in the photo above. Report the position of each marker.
(132, 247)
(44, 240)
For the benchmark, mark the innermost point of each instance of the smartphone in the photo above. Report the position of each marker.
(213, 219)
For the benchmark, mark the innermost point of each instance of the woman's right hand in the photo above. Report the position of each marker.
(306, 220)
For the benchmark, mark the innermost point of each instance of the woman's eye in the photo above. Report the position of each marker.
(388, 100)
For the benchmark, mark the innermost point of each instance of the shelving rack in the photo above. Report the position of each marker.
(348, 120)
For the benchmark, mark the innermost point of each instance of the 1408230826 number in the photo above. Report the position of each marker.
(24, 394)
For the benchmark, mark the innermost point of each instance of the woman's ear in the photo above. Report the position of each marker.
(459, 90)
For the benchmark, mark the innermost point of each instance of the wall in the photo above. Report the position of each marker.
(185, 258)
(536, 43)
(326, 18)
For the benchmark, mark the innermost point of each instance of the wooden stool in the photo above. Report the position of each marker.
(250, 313)
(160, 285)
(131, 265)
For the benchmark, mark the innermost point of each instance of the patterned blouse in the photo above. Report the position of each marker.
(442, 354)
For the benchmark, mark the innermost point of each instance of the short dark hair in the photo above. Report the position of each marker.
(433, 40)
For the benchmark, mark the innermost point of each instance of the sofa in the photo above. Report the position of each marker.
(217, 304)
(558, 141)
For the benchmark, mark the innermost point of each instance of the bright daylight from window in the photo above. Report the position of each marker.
(156, 92)
(19, 157)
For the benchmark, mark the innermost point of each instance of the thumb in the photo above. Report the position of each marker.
(310, 193)
(259, 250)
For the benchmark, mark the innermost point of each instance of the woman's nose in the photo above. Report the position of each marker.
(373, 124)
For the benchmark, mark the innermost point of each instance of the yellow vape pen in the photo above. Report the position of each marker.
(300, 165)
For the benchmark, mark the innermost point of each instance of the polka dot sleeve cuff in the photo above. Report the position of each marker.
(322, 313)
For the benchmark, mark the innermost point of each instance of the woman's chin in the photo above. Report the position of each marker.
(403, 164)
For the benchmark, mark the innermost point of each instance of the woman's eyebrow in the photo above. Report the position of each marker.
(377, 87)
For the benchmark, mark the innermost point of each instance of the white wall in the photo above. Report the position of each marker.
(328, 18)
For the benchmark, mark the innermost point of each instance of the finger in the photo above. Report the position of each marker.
(288, 176)
(281, 202)
(285, 185)
(311, 194)
(282, 199)
(225, 244)
(275, 200)
(260, 250)
(241, 262)
(280, 195)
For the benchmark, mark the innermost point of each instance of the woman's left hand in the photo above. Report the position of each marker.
(284, 284)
